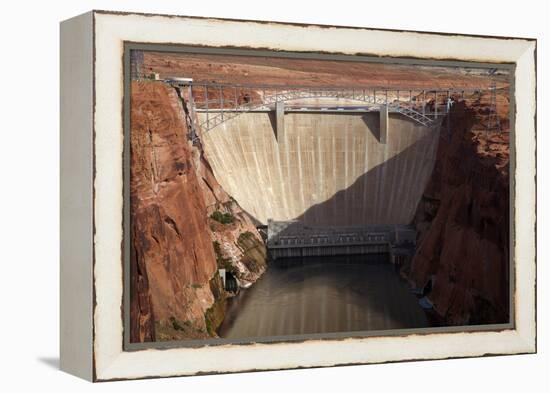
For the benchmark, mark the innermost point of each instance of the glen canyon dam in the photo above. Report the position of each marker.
(279, 197)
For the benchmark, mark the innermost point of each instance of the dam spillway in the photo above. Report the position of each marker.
(328, 169)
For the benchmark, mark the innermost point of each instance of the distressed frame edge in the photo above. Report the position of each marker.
(76, 196)
(527, 341)
(526, 231)
(303, 24)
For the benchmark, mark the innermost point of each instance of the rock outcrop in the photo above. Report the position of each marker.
(176, 291)
(463, 226)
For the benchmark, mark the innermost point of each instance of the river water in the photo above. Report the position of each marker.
(323, 295)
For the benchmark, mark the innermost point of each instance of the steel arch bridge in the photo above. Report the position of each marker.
(222, 116)
(222, 102)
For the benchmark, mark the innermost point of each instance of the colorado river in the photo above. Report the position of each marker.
(323, 295)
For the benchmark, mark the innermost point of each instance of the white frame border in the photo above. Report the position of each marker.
(111, 30)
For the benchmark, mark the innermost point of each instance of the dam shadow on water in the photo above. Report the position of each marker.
(323, 295)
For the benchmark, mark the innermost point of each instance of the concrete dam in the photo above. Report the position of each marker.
(328, 169)
(335, 176)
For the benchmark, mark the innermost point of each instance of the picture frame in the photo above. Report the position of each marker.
(95, 212)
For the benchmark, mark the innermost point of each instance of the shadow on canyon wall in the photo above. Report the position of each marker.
(463, 225)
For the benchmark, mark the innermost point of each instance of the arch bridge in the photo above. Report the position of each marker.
(219, 103)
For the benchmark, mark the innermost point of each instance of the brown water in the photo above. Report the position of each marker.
(323, 295)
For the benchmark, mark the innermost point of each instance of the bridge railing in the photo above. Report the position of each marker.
(222, 102)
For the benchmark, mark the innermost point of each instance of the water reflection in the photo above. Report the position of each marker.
(323, 295)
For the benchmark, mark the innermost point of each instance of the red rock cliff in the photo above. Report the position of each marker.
(176, 292)
(463, 226)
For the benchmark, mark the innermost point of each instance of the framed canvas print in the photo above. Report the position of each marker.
(245, 195)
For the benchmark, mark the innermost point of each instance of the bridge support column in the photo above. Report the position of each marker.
(383, 124)
(280, 120)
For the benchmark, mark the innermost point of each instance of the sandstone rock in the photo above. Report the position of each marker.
(463, 226)
(176, 292)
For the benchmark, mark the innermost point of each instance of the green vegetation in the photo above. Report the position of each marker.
(176, 325)
(214, 316)
(245, 237)
(217, 248)
(174, 329)
(254, 250)
(223, 218)
(221, 261)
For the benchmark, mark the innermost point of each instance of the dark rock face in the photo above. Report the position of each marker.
(463, 225)
(176, 291)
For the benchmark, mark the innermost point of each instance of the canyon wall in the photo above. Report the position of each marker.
(176, 291)
(329, 169)
(463, 226)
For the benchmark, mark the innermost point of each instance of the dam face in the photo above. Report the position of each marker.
(327, 169)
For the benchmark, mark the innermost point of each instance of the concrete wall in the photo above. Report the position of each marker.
(329, 169)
